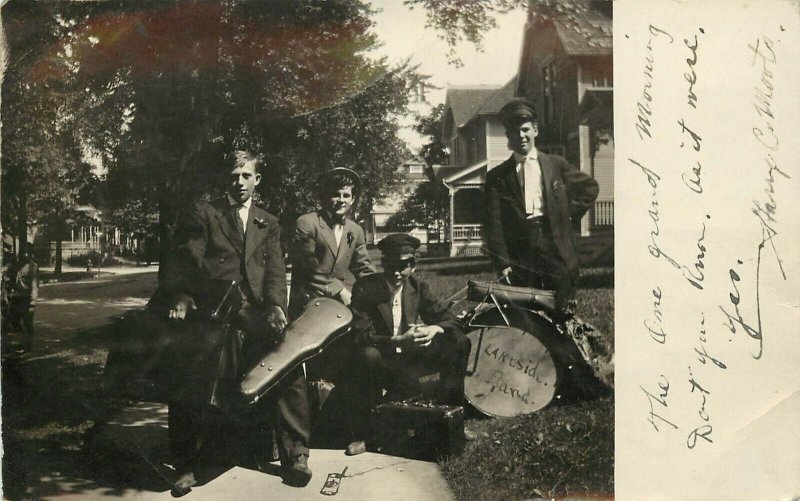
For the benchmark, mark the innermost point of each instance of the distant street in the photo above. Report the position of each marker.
(66, 309)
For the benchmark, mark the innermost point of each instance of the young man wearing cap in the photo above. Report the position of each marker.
(532, 201)
(401, 332)
(329, 250)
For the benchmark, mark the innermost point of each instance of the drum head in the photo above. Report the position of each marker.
(509, 372)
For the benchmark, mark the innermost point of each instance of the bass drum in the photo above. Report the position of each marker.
(510, 369)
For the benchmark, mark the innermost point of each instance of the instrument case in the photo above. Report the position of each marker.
(323, 321)
(418, 430)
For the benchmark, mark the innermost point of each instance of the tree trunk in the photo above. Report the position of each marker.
(59, 259)
(167, 219)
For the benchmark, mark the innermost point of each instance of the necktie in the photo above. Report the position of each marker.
(530, 169)
(235, 213)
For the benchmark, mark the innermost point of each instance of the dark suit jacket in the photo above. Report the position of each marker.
(319, 266)
(568, 194)
(212, 251)
(372, 310)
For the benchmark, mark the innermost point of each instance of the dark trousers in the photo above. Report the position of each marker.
(22, 318)
(197, 430)
(543, 266)
(359, 384)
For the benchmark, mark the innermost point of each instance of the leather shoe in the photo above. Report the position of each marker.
(184, 484)
(355, 448)
(298, 474)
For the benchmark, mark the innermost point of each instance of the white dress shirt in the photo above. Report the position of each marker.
(529, 173)
(397, 314)
(338, 229)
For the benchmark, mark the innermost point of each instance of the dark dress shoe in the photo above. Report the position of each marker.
(184, 484)
(356, 448)
(298, 474)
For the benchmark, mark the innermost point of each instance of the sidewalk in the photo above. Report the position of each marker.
(75, 273)
(134, 445)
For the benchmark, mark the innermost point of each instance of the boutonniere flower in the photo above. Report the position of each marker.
(557, 185)
(260, 222)
(349, 238)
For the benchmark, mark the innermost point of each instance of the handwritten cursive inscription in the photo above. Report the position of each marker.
(704, 430)
(643, 105)
(658, 402)
(654, 325)
(690, 75)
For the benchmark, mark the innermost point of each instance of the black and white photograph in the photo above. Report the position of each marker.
(303, 249)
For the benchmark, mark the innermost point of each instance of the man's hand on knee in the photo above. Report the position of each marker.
(276, 319)
(423, 334)
(181, 306)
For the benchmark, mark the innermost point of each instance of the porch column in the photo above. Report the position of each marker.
(586, 166)
(452, 193)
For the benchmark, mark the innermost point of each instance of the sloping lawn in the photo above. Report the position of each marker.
(564, 450)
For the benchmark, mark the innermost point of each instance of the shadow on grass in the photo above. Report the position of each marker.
(560, 450)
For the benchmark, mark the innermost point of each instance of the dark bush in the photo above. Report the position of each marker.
(81, 260)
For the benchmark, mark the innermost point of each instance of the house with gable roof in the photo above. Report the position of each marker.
(477, 142)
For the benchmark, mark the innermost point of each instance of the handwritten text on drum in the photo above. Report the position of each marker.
(497, 381)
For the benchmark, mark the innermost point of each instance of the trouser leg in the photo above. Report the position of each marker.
(360, 388)
(293, 419)
(454, 368)
(547, 270)
(186, 429)
(27, 327)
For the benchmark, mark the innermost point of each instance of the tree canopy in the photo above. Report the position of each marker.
(165, 91)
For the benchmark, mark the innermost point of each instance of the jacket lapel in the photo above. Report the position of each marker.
(410, 303)
(347, 229)
(513, 185)
(385, 308)
(327, 235)
(253, 234)
(547, 181)
(227, 223)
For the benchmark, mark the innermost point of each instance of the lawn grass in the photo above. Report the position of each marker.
(564, 450)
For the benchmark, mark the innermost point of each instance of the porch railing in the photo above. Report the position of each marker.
(467, 232)
(603, 214)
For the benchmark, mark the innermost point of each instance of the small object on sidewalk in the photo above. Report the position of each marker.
(332, 483)
(355, 448)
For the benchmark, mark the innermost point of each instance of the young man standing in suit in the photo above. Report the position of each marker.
(329, 250)
(232, 239)
(401, 332)
(532, 201)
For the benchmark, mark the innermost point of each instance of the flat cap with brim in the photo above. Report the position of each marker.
(348, 174)
(517, 111)
(399, 246)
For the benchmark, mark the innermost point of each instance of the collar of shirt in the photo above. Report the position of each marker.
(533, 155)
(235, 203)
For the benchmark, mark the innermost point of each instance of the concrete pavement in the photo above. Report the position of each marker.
(137, 441)
(128, 457)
